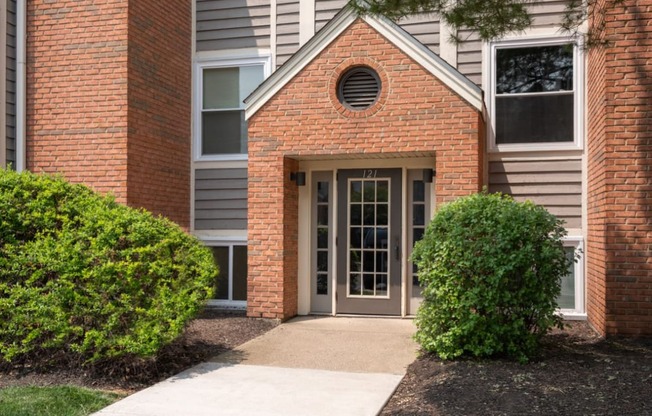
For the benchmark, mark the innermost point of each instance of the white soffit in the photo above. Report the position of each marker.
(430, 61)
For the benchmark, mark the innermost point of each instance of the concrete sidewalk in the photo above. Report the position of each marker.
(307, 366)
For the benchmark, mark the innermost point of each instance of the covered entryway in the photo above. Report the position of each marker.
(337, 140)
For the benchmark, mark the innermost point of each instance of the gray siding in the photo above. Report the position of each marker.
(325, 10)
(469, 56)
(11, 83)
(287, 30)
(232, 24)
(221, 199)
(425, 28)
(557, 185)
(547, 14)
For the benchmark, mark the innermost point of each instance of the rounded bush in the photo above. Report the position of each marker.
(87, 277)
(491, 270)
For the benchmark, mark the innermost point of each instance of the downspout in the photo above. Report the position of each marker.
(3, 89)
(21, 48)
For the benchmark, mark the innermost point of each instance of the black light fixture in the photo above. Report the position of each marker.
(428, 174)
(298, 177)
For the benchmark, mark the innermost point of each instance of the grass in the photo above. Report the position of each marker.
(53, 401)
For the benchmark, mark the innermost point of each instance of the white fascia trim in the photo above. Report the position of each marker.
(273, 18)
(447, 48)
(297, 62)
(21, 83)
(429, 60)
(410, 46)
(306, 20)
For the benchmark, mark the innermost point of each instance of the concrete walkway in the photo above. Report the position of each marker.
(307, 366)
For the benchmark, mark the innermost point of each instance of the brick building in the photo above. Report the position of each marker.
(308, 147)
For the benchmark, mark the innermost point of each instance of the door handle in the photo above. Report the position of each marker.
(397, 252)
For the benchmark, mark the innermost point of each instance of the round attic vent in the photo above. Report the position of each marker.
(359, 88)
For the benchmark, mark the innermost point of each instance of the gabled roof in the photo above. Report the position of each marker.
(430, 61)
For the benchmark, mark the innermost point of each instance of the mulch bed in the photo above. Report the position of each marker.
(212, 333)
(577, 373)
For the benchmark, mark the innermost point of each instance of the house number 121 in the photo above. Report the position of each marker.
(368, 173)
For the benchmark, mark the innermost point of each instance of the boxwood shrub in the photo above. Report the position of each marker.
(491, 269)
(87, 277)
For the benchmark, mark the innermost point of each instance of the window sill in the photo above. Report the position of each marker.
(222, 158)
(236, 305)
(569, 315)
(537, 147)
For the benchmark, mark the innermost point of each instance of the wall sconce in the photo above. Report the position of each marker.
(298, 177)
(428, 174)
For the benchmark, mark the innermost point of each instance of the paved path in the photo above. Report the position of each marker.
(307, 366)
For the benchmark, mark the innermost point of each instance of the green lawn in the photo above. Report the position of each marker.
(52, 401)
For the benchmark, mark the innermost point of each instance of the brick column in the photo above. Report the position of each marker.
(108, 98)
(619, 258)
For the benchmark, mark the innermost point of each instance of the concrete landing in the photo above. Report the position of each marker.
(308, 366)
(375, 345)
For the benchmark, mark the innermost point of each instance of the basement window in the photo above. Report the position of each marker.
(359, 88)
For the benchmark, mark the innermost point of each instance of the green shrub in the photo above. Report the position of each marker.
(85, 276)
(491, 269)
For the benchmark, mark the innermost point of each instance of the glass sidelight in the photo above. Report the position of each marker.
(321, 290)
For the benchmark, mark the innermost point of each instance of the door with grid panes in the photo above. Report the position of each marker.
(369, 241)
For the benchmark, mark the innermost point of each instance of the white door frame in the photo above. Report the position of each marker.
(305, 223)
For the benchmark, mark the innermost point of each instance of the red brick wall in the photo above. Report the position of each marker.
(619, 261)
(77, 91)
(416, 115)
(108, 98)
(160, 33)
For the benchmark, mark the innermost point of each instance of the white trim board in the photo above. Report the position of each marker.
(430, 61)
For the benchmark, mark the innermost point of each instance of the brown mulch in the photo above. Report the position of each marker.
(210, 334)
(577, 373)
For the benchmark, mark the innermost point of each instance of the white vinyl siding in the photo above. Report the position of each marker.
(232, 24)
(221, 199)
(555, 184)
(287, 30)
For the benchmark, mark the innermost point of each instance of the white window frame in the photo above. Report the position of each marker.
(227, 303)
(579, 313)
(210, 63)
(578, 86)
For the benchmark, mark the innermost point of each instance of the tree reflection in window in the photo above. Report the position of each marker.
(535, 96)
(534, 69)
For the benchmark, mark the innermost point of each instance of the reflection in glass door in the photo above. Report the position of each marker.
(368, 252)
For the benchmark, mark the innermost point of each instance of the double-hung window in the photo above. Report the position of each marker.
(535, 92)
(223, 86)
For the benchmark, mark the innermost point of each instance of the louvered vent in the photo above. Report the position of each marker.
(359, 88)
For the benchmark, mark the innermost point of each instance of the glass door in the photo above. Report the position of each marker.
(369, 241)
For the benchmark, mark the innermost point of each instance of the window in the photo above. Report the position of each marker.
(535, 97)
(571, 299)
(222, 128)
(231, 283)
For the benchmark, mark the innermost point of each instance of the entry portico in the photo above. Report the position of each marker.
(352, 144)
